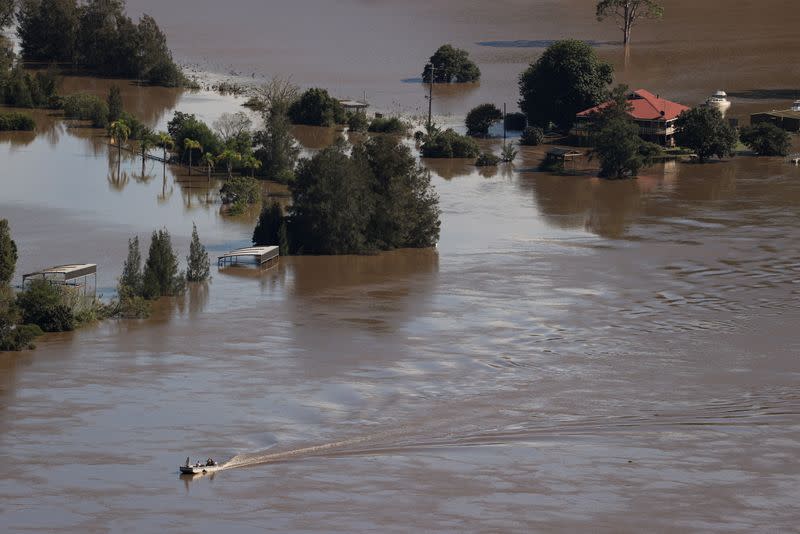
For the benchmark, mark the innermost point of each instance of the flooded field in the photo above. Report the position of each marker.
(576, 354)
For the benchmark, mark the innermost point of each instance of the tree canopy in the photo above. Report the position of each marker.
(96, 35)
(8, 253)
(626, 13)
(566, 79)
(703, 130)
(766, 139)
(450, 65)
(316, 107)
(481, 118)
(375, 199)
(198, 266)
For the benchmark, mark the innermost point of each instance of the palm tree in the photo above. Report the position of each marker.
(148, 141)
(119, 132)
(229, 157)
(208, 160)
(166, 142)
(190, 145)
(252, 163)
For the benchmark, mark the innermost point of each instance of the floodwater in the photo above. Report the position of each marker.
(575, 355)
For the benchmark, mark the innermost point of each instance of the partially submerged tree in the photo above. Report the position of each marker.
(448, 144)
(8, 253)
(230, 157)
(566, 79)
(703, 130)
(231, 126)
(119, 132)
(626, 13)
(622, 153)
(130, 283)
(449, 64)
(316, 107)
(114, 102)
(190, 145)
(481, 118)
(531, 136)
(42, 304)
(198, 266)
(766, 139)
(271, 228)
(161, 276)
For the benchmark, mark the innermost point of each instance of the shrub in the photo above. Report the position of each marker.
(18, 337)
(515, 121)
(532, 136)
(449, 144)
(481, 118)
(241, 189)
(487, 159)
(316, 107)
(42, 304)
(388, 125)
(357, 122)
(766, 139)
(16, 122)
(509, 153)
(451, 64)
(83, 106)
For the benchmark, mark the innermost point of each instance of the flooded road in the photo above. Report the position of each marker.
(576, 354)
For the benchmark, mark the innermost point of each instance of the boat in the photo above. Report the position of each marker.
(719, 100)
(199, 468)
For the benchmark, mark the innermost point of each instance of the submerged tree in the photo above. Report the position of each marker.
(626, 13)
(198, 266)
(161, 276)
(705, 131)
(449, 64)
(566, 79)
(114, 102)
(481, 118)
(130, 283)
(766, 139)
(8, 253)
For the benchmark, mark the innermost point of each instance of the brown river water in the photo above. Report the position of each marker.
(575, 355)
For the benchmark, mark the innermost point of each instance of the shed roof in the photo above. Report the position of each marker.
(69, 272)
(646, 106)
(563, 152)
(780, 113)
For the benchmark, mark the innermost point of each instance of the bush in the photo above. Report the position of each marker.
(16, 122)
(766, 139)
(241, 189)
(487, 159)
(357, 122)
(18, 337)
(316, 107)
(83, 106)
(532, 136)
(515, 121)
(42, 304)
(481, 118)
(449, 144)
(388, 125)
(450, 65)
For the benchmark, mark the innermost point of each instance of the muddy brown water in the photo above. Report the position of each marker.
(576, 354)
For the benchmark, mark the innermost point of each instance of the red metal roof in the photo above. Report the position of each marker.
(646, 107)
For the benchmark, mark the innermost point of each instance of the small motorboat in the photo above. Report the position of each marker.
(198, 468)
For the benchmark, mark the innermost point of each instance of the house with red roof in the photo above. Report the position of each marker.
(654, 115)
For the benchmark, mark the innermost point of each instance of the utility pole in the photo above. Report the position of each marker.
(430, 97)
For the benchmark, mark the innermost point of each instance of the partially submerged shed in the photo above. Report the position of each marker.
(77, 275)
(788, 119)
(257, 255)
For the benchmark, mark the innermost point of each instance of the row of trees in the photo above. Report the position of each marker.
(376, 198)
(95, 35)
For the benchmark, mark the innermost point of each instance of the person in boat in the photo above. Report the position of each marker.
(187, 461)
(210, 462)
